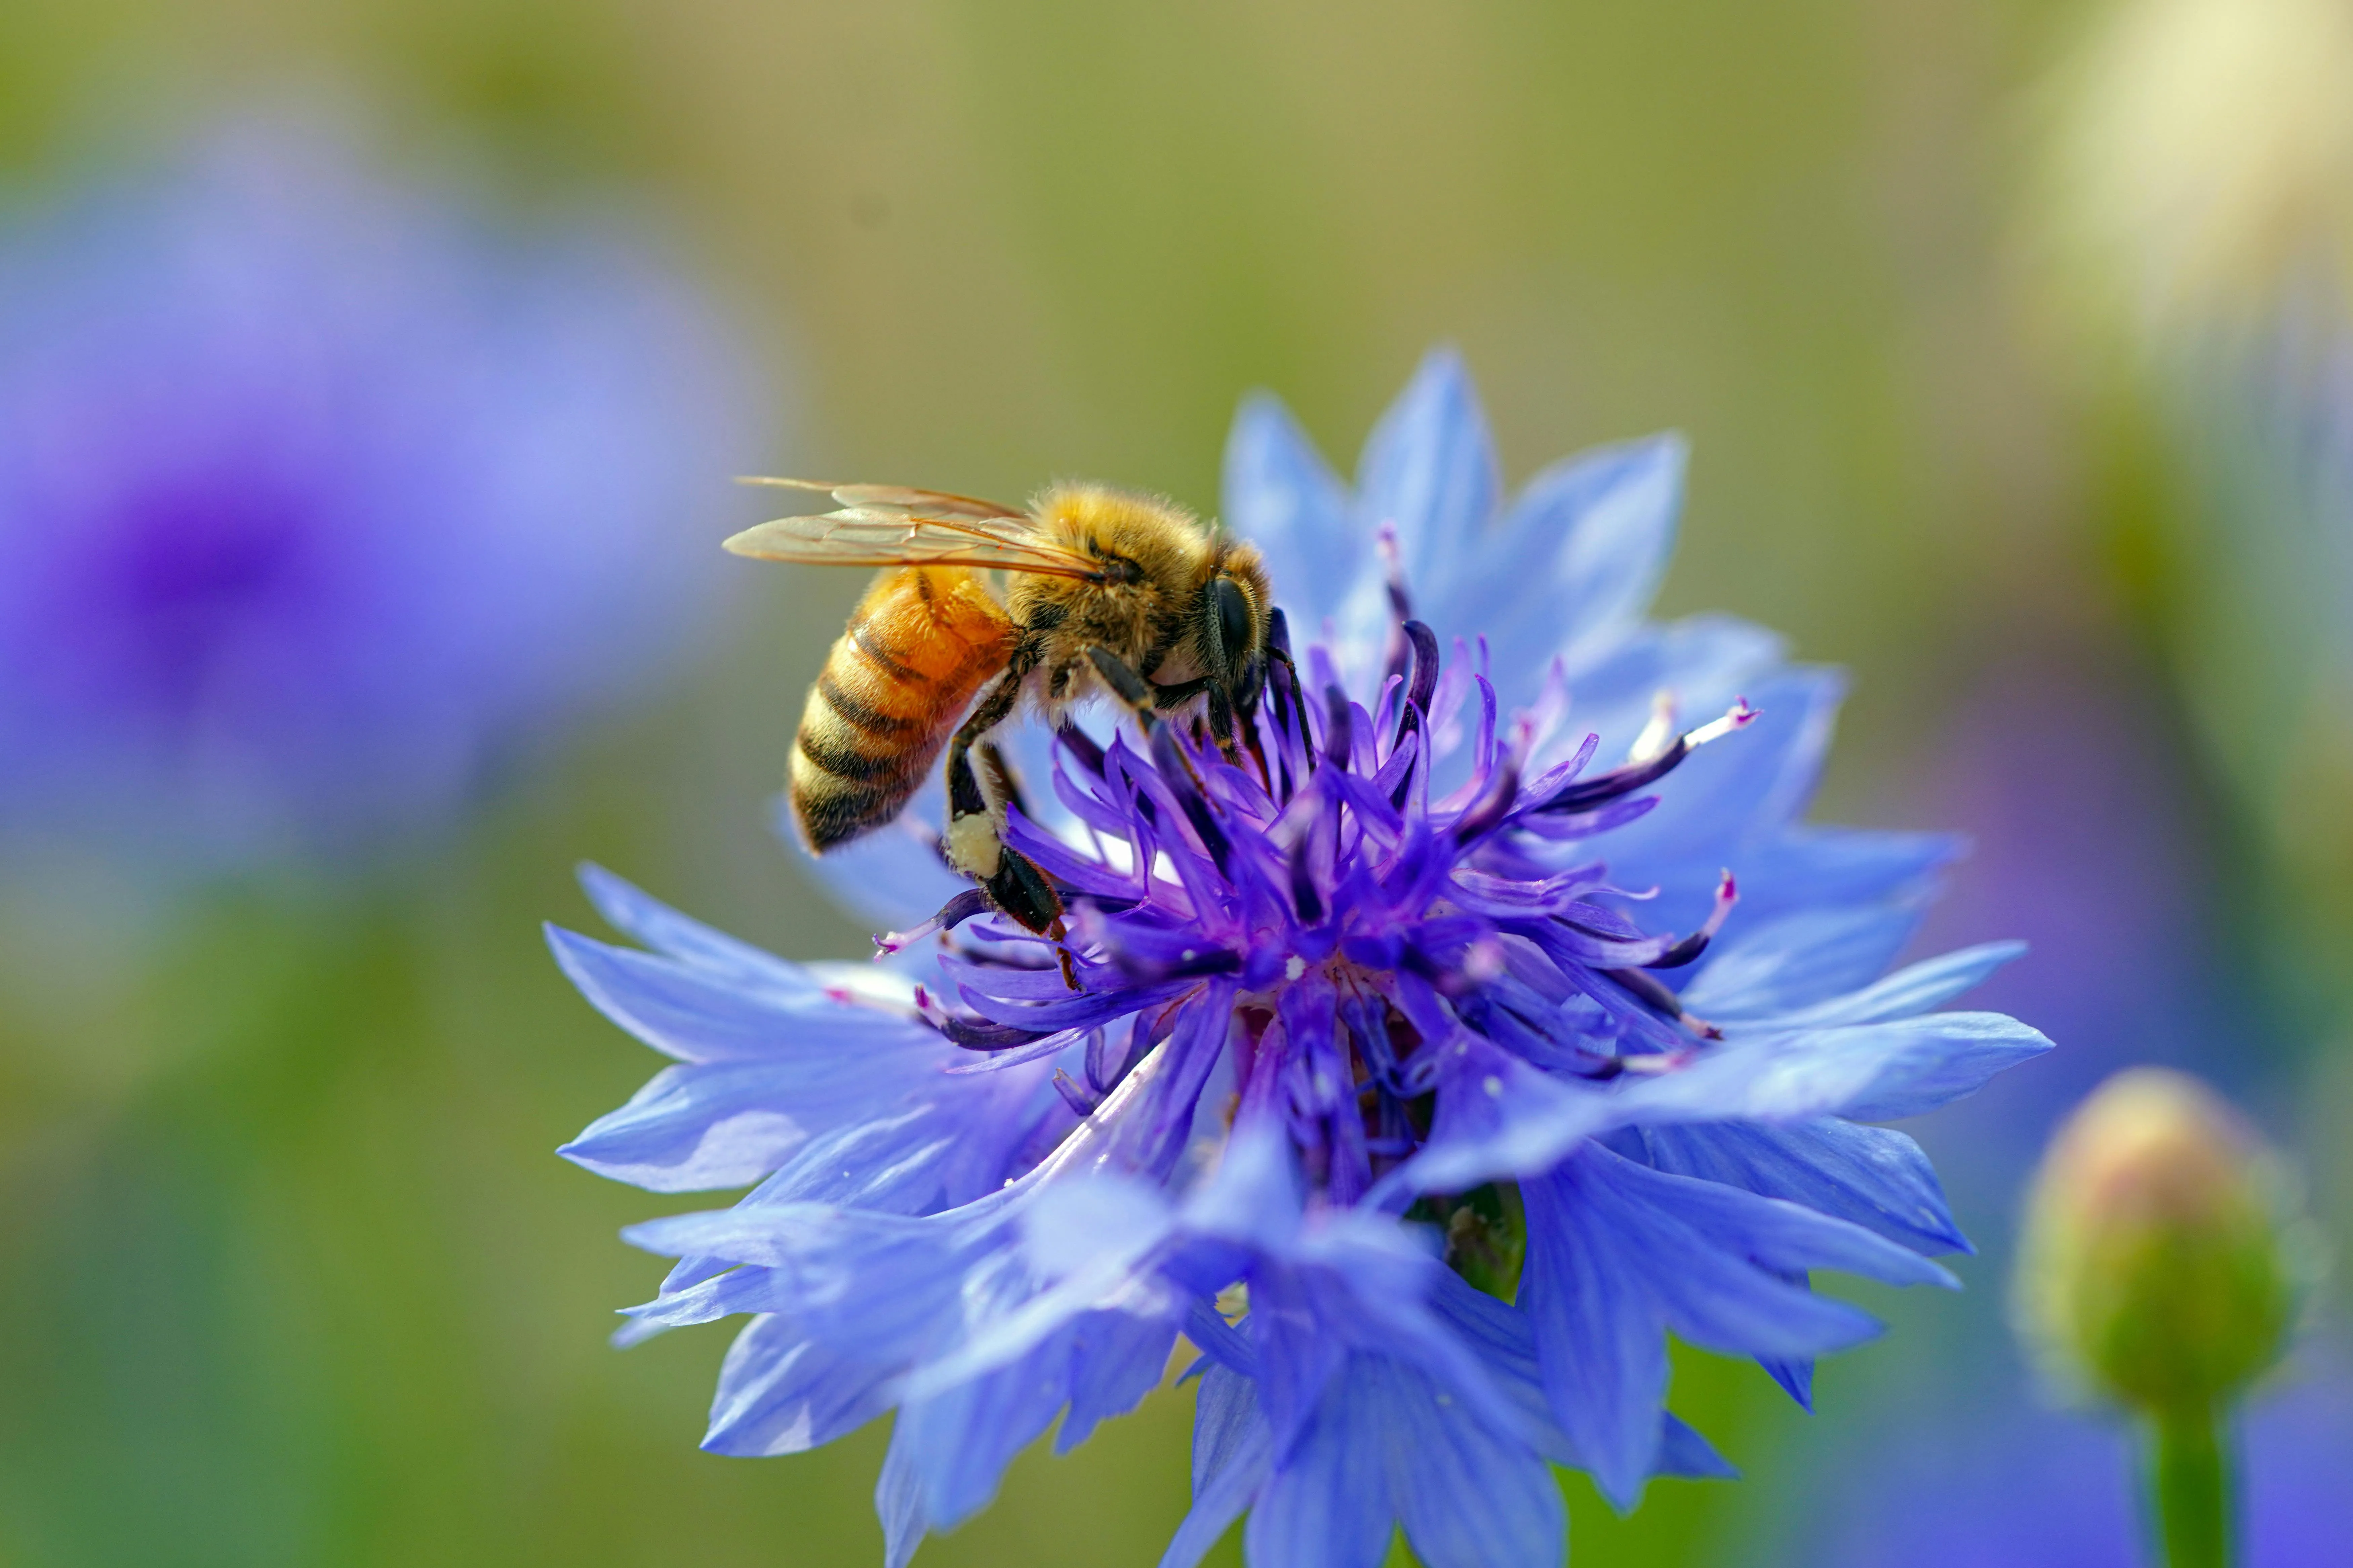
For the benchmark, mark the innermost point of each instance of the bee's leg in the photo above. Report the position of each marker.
(1221, 724)
(1128, 686)
(997, 773)
(1164, 698)
(1294, 693)
(1136, 692)
(1246, 701)
(1020, 885)
(1029, 888)
(1221, 716)
(975, 836)
(1162, 647)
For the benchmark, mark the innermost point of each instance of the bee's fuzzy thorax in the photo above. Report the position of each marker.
(1165, 549)
(1166, 540)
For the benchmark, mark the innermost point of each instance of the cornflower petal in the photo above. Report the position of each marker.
(1429, 470)
(1875, 1177)
(1628, 1253)
(1595, 531)
(1282, 497)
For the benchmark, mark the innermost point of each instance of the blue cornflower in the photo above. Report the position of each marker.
(316, 490)
(1368, 1079)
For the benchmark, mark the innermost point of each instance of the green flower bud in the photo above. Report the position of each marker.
(2155, 1267)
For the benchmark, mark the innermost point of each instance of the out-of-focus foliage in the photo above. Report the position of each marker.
(2193, 223)
(278, 1213)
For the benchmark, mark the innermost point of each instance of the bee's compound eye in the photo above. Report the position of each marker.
(1230, 616)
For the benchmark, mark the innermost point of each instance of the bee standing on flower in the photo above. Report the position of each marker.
(1101, 582)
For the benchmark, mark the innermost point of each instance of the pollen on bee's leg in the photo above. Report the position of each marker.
(976, 843)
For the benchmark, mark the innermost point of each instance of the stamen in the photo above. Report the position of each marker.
(953, 913)
(1425, 667)
(1170, 759)
(1339, 739)
(1739, 716)
(1624, 780)
(1408, 725)
(1658, 733)
(985, 1035)
(972, 1033)
(1105, 1068)
(1076, 1098)
(1659, 999)
(1080, 746)
(1303, 896)
(1385, 540)
(1692, 946)
(1492, 806)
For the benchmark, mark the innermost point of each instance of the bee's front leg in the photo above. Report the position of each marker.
(1178, 694)
(1129, 687)
(1221, 710)
(1137, 693)
(1221, 724)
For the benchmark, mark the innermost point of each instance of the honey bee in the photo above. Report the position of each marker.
(1101, 587)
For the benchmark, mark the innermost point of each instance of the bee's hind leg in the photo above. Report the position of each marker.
(975, 836)
(1003, 782)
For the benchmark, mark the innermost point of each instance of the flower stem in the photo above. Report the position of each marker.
(2188, 1485)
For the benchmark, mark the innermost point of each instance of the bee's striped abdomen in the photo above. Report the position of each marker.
(918, 647)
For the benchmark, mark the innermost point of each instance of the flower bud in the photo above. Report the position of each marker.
(2153, 1269)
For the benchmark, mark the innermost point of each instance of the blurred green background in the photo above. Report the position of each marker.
(291, 1273)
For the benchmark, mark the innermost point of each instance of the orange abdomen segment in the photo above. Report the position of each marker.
(922, 642)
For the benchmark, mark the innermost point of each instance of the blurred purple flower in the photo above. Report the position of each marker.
(317, 491)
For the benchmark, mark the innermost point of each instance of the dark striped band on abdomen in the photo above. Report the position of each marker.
(858, 713)
(839, 813)
(882, 658)
(859, 767)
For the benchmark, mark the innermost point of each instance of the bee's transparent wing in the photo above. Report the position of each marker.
(891, 525)
(930, 503)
